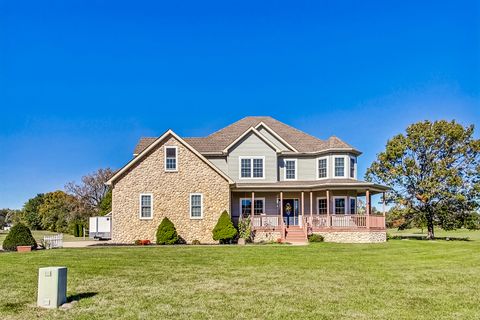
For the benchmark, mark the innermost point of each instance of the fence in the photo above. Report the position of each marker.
(52, 242)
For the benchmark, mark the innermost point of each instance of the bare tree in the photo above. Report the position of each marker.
(92, 189)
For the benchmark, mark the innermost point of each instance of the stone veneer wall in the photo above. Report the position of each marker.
(266, 236)
(171, 196)
(354, 236)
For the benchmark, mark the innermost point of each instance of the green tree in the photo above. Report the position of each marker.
(19, 235)
(105, 206)
(30, 209)
(224, 231)
(433, 170)
(58, 211)
(166, 232)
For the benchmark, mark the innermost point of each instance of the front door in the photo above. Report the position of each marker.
(290, 212)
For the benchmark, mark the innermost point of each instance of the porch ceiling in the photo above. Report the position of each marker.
(316, 185)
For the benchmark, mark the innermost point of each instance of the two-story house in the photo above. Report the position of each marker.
(289, 183)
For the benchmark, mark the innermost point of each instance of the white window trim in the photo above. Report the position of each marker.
(201, 205)
(255, 198)
(354, 167)
(165, 158)
(318, 207)
(328, 167)
(285, 169)
(350, 205)
(251, 167)
(151, 206)
(346, 167)
(346, 204)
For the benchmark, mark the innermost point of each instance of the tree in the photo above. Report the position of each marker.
(58, 211)
(166, 232)
(9, 216)
(433, 170)
(91, 191)
(224, 231)
(105, 206)
(19, 235)
(30, 214)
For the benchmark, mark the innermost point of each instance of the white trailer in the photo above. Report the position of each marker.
(100, 228)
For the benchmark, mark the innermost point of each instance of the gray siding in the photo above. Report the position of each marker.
(307, 167)
(220, 163)
(252, 145)
(274, 140)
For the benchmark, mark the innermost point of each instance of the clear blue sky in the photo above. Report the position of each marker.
(81, 81)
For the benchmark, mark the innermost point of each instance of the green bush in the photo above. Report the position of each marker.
(315, 238)
(196, 242)
(19, 235)
(166, 232)
(77, 229)
(245, 228)
(224, 231)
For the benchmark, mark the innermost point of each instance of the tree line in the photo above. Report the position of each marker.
(63, 210)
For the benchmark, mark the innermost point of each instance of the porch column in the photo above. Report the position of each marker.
(303, 209)
(367, 208)
(328, 209)
(252, 212)
(383, 203)
(311, 206)
(281, 215)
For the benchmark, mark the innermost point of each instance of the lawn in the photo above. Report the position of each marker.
(39, 234)
(400, 279)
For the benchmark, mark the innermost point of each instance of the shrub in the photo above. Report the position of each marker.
(19, 235)
(77, 229)
(142, 242)
(196, 242)
(166, 233)
(245, 228)
(315, 238)
(224, 231)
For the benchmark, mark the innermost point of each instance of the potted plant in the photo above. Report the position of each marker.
(244, 230)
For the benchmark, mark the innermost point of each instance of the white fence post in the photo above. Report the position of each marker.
(52, 242)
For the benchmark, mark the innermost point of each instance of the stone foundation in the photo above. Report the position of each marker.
(354, 236)
(266, 236)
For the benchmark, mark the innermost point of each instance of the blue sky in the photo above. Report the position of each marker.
(81, 81)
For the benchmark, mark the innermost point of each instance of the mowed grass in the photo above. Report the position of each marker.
(39, 234)
(400, 279)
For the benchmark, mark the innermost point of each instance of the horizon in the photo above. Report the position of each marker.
(81, 84)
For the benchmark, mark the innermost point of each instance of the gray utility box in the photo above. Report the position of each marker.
(52, 287)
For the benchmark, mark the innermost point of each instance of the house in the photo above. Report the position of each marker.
(289, 182)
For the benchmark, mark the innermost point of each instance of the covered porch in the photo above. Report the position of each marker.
(282, 206)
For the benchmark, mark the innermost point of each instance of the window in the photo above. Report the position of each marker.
(339, 166)
(252, 168)
(146, 206)
(196, 205)
(352, 168)
(322, 206)
(246, 206)
(353, 205)
(339, 205)
(170, 158)
(322, 168)
(291, 169)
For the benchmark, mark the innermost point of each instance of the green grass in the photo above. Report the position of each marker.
(39, 234)
(461, 233)
(400, 279)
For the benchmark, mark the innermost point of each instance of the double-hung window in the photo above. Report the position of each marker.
(196, 205)
(352, 168)
(353, 205)
(339, 166)
(340, 205)
(290, 169)
(252, 167)
(322, 168)
(322, 205)
(246, 206)
(146, 211)
(171, 163)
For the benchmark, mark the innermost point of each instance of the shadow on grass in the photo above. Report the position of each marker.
(80, 296)
(11, 307)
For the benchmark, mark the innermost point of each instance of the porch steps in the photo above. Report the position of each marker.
(295, 235)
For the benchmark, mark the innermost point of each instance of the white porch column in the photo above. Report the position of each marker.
(252, 204)
(383, 203)
(281, 215)
(303, 209)
(367, 207)
(328, 209)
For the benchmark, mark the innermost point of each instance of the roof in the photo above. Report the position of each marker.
(312, 185)
(221, 139)
(152, 145)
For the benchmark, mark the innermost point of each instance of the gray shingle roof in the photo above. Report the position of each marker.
(219, 140)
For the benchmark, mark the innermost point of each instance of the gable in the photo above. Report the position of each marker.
(280, 145)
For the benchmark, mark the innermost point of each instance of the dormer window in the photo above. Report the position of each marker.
(171, 163)
(339, 167)
(252, 167)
